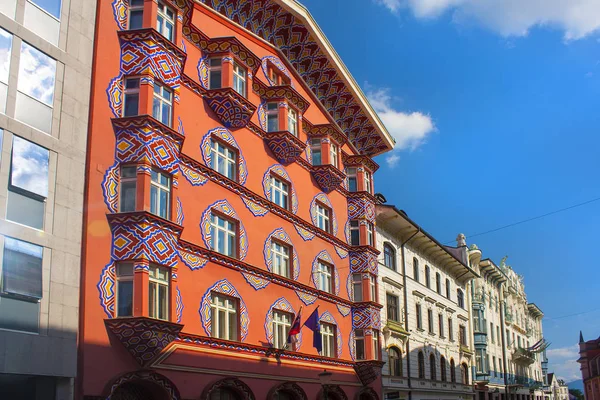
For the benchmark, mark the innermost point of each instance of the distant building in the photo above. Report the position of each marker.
(589, 358)
(556, 388)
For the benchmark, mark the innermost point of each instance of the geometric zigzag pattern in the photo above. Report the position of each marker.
(145, 240)
(344, 310)
(107, 289)
(256, 282)
(179, 305)
(306, 298)
(255, 209)
(147, 56)
(203, 72)
(192, 261)
(120, 8)
(324, 256)
(277, 63)
(343, 253)
(223, 207)
(366, 317)
(361, 208)
(110, 187)
(304, 234)
(224, 287)
(179, 208)
(144, 143)
(194, 177)
(280, 304)
(278, 170)
(226, 136)
(363, 262)
(323, 199)
(280, 235)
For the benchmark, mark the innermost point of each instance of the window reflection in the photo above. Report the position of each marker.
(37, 73)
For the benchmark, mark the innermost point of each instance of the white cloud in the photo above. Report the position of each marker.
(37, 73)
(575, 18)
(30, 166)
(563, 362)
(392, 160)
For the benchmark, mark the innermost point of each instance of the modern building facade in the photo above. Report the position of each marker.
(229, 186)
(589, 360)
(45, 75)
(425, 289)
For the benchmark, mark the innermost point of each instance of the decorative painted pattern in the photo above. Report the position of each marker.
(145, 144)
(180, 129)
(323, 199)
(179, 208)
(114, 92)
(255, 209)
(352, 345)
(107, 287)
(363, 261)
(280, 304)
(325, 257)
(306, 298)
(226, 136)
(203, 72)
(262, 115)
(328, 318)
(344, 310)
(279, 171)
(255, 281)
(194, 177)
(304, 234)
(192, 261)
(224, 287)
(149, 376)
(361, 208)
(341, 252)
(120, 8)
(266, 60)
(366, 317)
(233, 109)
(110, 187)
(223, 207)
(280, 235)
(178, 305)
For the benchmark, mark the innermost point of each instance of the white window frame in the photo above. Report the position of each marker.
(315, 147)
(373, 287)
(325, 277)
(359, 337)
(161, 188)
(441, 324)
(281, 188)
(375, 340)
(323, 217)
(334, 154)
(120, 279)
(368, 182)
(228, 231)
(272, 116)
(154, 285)
(450, 330)
(280, 258)
(282, 322)
(212, 69)
(357, 285)
(230, 306)
(370, 234)
(354, 229)
(162, 100)
(220, 151)
(352, 174)
(128, 92)
(239, 79)
(328, 340)
(292, 116)
(125, 180)
(161, 27)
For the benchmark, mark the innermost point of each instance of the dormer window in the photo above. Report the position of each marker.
(214, 73)
(239, 79)
(293, 121)
(272, 111)
(165, 21)
(277, 77)
(315, 150)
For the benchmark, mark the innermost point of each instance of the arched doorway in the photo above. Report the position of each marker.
(367, 393)
(287, 391)
(227, 389)
(334, 392)
(143, 385)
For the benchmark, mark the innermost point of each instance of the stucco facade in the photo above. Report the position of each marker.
(45, 75)
(589, 360)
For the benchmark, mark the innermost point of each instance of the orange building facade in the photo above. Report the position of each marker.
(229, 185)
(589, 360)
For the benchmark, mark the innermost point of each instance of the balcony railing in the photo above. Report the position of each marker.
(523, 356)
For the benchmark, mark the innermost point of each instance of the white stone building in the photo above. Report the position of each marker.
(556, 389)
(424, 287)
(45, 73)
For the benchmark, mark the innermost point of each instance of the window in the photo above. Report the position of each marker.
(328, 340)
(28, 183)
(357, 287)
(432, 371)
(124, 290)
(351, 176)
(452, 371)
(419, 317)
(373, 286)
(280, 258)
(215, 72)
(443, 368)
(279, 192)
(375, 345)
(430, 320)
(162, 104)
(494, 366)
(239, 79)
(354, 233)
(160, 194)
(282, 322)
(224, 393)
(158, 294)
(370, 235)
(438, 283)
(448, 288)
(323, 218)
(460, 298)
(479, 360)
(272, 114)
(333, 154)
(392, 307)
(128, 189)
(5, 51)
(450, 329)
(165, 21)
(519, 341)
(492, 332)
(315, 151)
(462, 335)
(324, 277)
(359, 343)
(223, 159)
(464, 370)
(136, 14)
(292, 121)
(22, 269)
(35, 88)
(389, 256)
(395, 361)
(368, 182)
(441, 324)
(416, 269)
(427, 276)
(132, 97)
(421, 363)
(224, 235)
(498, 334)
(224, 317)
(277, 77)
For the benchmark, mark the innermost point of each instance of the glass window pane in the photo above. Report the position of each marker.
(152, 300)
(37, 73)
(5, 51)
(128, 192)
(221, 324)
(162, 301)
(153, 199)
(29, 169)
(125, 298)
(232, 326)
(136, 19)
(25, 210)
(131, 105)
(22, 268)
(50, 6)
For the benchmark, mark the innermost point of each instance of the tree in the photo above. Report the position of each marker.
(577, 393)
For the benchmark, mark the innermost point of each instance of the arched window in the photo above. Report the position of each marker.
(421, 360)
(224, 393)
(432, 368)
(464, 371)
(416, 269)
(427, 276)
(452, 371)
(448, 288)
(389, 256)
(395, 361)
(283, 395)
(443, 368)
(438, 283)
(460, 298)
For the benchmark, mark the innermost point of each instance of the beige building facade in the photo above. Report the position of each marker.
(45, 73)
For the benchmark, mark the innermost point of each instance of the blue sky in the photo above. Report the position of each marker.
(495, 108)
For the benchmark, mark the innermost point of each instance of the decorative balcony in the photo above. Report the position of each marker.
(328, 177)
(396, 329)
(144, 338)
(286, 147)
(523, 356)
(466, 350)
(233, 109)
(368, 370)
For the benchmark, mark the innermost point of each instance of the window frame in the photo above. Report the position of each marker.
(284, 191)
(375, 341)
(395, 362)
(281, 327)
(228, 160)
(443, 376)
(158, 283)
(118, 280)
(272, 116)
(354, 232)
(131, 93)
(460, 299)
(370, 234)
(359, 338)
(214, 69)
(389, 256)
(240, 78)
(214, 215)
(325, 274)
(430, 326)
(368, 181)
(392, 307)
(432, 368)
(215, 318)
(448, 288)
(373, 288)
(7, 268)
(419, 316)
(441, 324)
(334, 154)
(125, 180)
(160, 99)
(132, 7)
(450, 329)
(292, 118)
(325, 336)
(357, 283)
(421, 364)
(286, 258)
(462, 335)
(161, 188)
(351, 176)
(162, 12)
(438, 283)
(316, 148)
(427, 276)
(324, 214)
